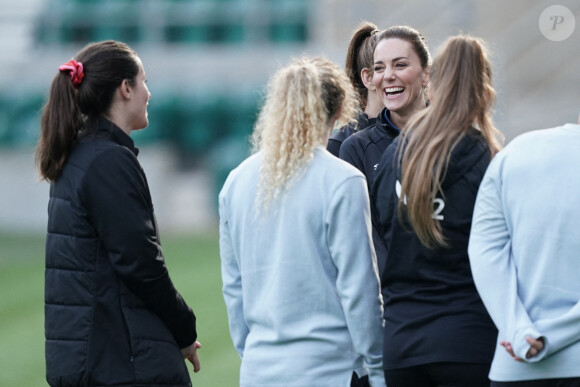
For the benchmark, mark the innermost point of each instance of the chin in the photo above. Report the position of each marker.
(141, 125)
(393, 107)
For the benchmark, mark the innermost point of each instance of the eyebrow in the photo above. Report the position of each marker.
(392, 60)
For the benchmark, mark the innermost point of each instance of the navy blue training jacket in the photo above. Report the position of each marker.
(338, 136)
(364, 149)
(433, 312)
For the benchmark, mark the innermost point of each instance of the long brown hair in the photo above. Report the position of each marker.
(359, 56)
(105, 64)
(463, 96)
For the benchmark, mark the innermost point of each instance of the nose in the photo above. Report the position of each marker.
(389, 73)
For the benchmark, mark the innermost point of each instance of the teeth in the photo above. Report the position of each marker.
(394, 89)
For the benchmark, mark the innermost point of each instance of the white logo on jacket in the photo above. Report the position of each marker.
(438, 202)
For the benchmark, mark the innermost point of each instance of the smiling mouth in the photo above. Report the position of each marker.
(393, 91)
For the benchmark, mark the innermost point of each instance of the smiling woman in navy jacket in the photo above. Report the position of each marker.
(437, 331)
(401, 61)
(112, 314)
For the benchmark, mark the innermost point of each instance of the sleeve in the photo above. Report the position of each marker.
(232, 280)
(119, 205)
(492, 264)
(349, 153)
(349, 238)
(561, 331)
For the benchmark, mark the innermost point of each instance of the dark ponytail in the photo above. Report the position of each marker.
(360, 55)
(60, 122)
(105, 64)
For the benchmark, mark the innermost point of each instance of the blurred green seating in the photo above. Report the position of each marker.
(177, 21)
(4, 122)
(191, 123)
(20, 120)
(288, 32)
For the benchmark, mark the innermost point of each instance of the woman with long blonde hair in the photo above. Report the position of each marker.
(298, 266)
(437, 330)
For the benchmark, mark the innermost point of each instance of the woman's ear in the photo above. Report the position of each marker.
(125, 89)
(426, 76)
(366, 75)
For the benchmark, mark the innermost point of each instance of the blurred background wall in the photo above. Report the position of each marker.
(207, 62)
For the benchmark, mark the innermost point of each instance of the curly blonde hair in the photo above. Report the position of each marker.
(304, 102)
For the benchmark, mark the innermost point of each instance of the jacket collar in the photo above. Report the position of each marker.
(105, 127)
(384, 123)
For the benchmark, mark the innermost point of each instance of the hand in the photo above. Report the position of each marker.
(190, 353)
(510, 350)
(536, 345)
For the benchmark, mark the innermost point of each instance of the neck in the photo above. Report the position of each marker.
(115, 118)
(374, 105)
(400, 118)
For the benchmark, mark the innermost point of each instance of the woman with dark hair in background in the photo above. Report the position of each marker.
(359, 68)
(112, 314)
(437, 330)
(298, 266)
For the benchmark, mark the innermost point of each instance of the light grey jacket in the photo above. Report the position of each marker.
(301, 284)
(525, 252)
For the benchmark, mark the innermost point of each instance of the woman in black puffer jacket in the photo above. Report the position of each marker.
(112, 314)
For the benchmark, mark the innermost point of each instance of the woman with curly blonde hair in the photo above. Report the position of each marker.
(306, 100)
(298, 266)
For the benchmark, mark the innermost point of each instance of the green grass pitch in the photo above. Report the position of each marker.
(194, 265)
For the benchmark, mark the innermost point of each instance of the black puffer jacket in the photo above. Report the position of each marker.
(112, 314)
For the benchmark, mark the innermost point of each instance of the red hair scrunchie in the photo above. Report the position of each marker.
(76, 71)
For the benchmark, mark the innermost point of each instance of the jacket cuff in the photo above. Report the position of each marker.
(521, 346)
(188, 334)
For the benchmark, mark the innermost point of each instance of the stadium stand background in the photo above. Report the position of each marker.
(207, 62)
